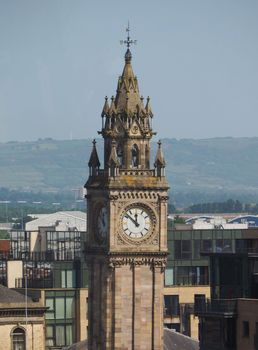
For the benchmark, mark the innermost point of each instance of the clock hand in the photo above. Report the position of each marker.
(135, 222)
(136, 216)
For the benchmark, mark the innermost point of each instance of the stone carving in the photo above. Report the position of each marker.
(153, 261)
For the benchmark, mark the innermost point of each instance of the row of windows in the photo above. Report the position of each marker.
(172, 306)
(191, 249)
(205, 234)
(187, 275)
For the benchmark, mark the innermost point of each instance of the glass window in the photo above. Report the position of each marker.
(70, 278)
(18, 339)
(207, 245)
(183, 249)
(177, 249)
(69, 307)
(60, 335)
(197, 246)
(63, 279)
(245, 329)
(182, 275)
(172, 307)
(60, 308)
(69, 334)
(169, 276)
(49, 336)
(227, 245)
(49, 332)
(186, 249)
(50, 314)
(223, 245)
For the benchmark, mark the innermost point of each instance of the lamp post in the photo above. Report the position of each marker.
(24, 254)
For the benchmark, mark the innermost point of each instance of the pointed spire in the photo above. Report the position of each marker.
(159, 160)
(112, 108)
(127, 83)
(94, 162)
(105, 107)
(148, 107)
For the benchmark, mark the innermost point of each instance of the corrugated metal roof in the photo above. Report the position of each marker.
(62, 220)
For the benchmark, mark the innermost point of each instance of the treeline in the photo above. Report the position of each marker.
(7, 194)
(16, 205)
(229, 206)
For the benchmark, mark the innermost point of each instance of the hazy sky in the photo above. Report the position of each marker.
(197, 59)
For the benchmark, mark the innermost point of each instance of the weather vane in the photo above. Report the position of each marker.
(128, 41)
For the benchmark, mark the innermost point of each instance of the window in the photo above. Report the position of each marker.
(192, 275)
(199, 302)
(39, 274)
(64, 245)
(20, 243)
(3, 273)
(60, 335)
(169, 276)
(207, 245)
(183, 249)
(49, 336)
(223, 245)
(18, 339)
(60, 318)
(68, 279)
(171, 305)
(245, 329)
(197, 247)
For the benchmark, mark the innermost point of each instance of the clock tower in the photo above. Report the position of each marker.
(126, 247)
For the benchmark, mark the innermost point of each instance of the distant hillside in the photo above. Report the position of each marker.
(210, 169)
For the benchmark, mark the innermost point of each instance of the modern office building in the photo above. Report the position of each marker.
(231, 315)
(47, 262)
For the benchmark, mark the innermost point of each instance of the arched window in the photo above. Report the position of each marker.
(135, 155)
(18, 339)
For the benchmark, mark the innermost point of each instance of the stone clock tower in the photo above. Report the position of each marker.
(126, 248)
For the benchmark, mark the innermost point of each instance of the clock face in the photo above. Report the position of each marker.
(136, 222)
(102, 222)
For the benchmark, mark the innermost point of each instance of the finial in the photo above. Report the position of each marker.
(159, 143)
(94, 142)
(128, 42)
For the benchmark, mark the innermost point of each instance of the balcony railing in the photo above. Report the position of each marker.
(34, 282)
(227, 307)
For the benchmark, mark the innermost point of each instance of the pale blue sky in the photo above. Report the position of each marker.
(197, 59)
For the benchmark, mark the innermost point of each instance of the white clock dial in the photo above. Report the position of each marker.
(136, 222)
(102, 222)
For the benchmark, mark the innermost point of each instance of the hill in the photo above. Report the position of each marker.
(198, 170)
